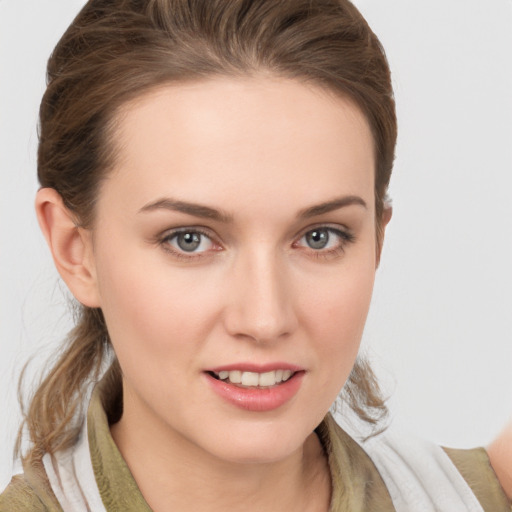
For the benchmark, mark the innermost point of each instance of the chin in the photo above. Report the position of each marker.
(260, 453)
(259, 443)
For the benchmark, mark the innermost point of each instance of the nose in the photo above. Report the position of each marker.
(260, 305)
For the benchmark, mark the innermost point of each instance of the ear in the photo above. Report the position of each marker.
(386, 217)
(70, 245)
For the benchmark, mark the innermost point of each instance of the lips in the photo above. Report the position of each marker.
(254, 379)
(256, 388)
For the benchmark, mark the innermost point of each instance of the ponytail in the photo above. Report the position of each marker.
(54, 415)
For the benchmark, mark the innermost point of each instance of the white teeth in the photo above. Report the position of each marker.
(254, 379)
(235, 377)
(250, 379)
(267, 379)
(286, 374)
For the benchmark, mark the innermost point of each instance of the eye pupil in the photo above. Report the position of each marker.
(318, 238)
(189, 241)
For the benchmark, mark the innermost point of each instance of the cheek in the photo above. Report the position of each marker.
(343, 323)
(339, 302)
(336, 314)
(151, 308)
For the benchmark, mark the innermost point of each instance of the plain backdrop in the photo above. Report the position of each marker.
(440, 326)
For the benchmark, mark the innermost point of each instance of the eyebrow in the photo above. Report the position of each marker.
(206, 212)
(197, 210)
(329, 206)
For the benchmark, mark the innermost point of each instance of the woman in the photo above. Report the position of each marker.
(213, 193)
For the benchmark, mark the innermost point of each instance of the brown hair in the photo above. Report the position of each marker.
(117, 49)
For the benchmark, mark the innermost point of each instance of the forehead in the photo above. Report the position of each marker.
(216, 139)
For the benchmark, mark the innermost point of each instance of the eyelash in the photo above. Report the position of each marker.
(346, 237)
(183, 255)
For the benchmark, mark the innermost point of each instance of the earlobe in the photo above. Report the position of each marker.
(386, 215)
(70, 246)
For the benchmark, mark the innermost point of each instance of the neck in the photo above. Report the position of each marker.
(174, 474)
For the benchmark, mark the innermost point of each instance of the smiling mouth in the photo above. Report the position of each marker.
(253, 379)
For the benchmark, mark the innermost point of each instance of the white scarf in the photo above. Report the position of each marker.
(72, 478)
(419, 476)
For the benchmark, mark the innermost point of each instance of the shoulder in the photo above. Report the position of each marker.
(475, 467)
(20, 496)
(28, 493)
(445, 477)
(419, 474)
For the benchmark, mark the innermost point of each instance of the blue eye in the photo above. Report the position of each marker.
(190, 241)
(317, 238)
(325, 239)
(325, 242)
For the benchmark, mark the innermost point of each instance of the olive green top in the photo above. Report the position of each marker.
(356, 483)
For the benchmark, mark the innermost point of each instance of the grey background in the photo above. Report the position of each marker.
(440, 328)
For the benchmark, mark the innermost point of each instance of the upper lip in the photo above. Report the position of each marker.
(256, 368)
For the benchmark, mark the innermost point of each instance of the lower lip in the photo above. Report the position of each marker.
(257, 399)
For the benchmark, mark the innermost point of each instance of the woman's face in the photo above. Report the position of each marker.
(235, 241)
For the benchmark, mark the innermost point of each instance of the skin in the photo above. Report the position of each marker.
(262, 151)
(500, 455)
